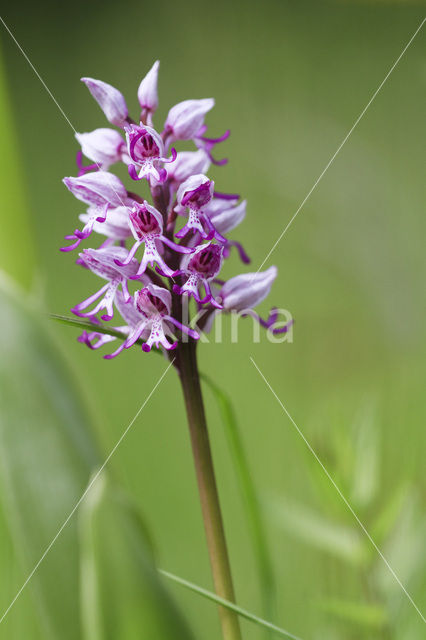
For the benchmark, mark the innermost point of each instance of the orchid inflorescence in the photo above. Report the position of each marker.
(144, 242)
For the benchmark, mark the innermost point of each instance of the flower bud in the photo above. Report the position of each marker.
(226, 215)
(110, 100)
(186, 118)
(97, 189)
(147, 92)
(187, 163)
(103, 146)
(247, 290)
(195, 192)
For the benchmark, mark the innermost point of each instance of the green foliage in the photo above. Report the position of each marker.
(230, 605)
(16, 242)
(251, 498)
(96, 582)
(370, 616)
(395, 524)
(46, 457)
(121, 594)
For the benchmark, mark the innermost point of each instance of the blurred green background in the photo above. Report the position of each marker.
(289, 81)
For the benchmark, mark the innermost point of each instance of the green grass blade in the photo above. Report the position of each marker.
(88, 326)
(254, 510)
(230, 605)
(85, 325)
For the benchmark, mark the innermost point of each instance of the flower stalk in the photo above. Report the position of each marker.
(186, 362)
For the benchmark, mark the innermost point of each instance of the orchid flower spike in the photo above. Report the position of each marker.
(110, 100)
(146, 225)
(146, 151)
(148, 94)
(141, 237)
(201, 267)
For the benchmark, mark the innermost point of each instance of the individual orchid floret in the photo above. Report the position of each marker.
(195, 194)
(101, 190)
(186, 118)
(153, 306)
(242, 293)
(98, 189)
(187, 164)
(110, 100)
(247, 290)
(146, 150)
(208, 144)
(225, 215)
(116, 226)
(201, 267)
(95, 340)
(103, 263)
(148, 94)
(146, 225)
(104, 146)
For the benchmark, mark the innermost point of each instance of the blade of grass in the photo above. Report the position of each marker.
(248, 489)
(90, 326)
(230, 605)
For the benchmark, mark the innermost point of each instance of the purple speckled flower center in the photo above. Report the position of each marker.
(145, 223)
(198, 197)
(143, 146)
(206, 262)
(148, 304)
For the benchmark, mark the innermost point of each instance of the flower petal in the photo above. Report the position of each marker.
(110, 100)
(148, 92)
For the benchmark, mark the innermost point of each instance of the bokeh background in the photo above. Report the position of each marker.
(289, 81)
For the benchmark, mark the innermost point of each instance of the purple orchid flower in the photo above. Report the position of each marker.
(103, 262)
(195, 194)
(201, 267)
(115, 226)
(153, 321)
(186, 165)
(186, 118)
(225, 215)
(100, 190)
(104, 146)
(244, 292)
(95, 340)
(146, 150)
(146, 225)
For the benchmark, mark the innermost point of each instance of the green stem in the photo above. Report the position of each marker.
(188, 370)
